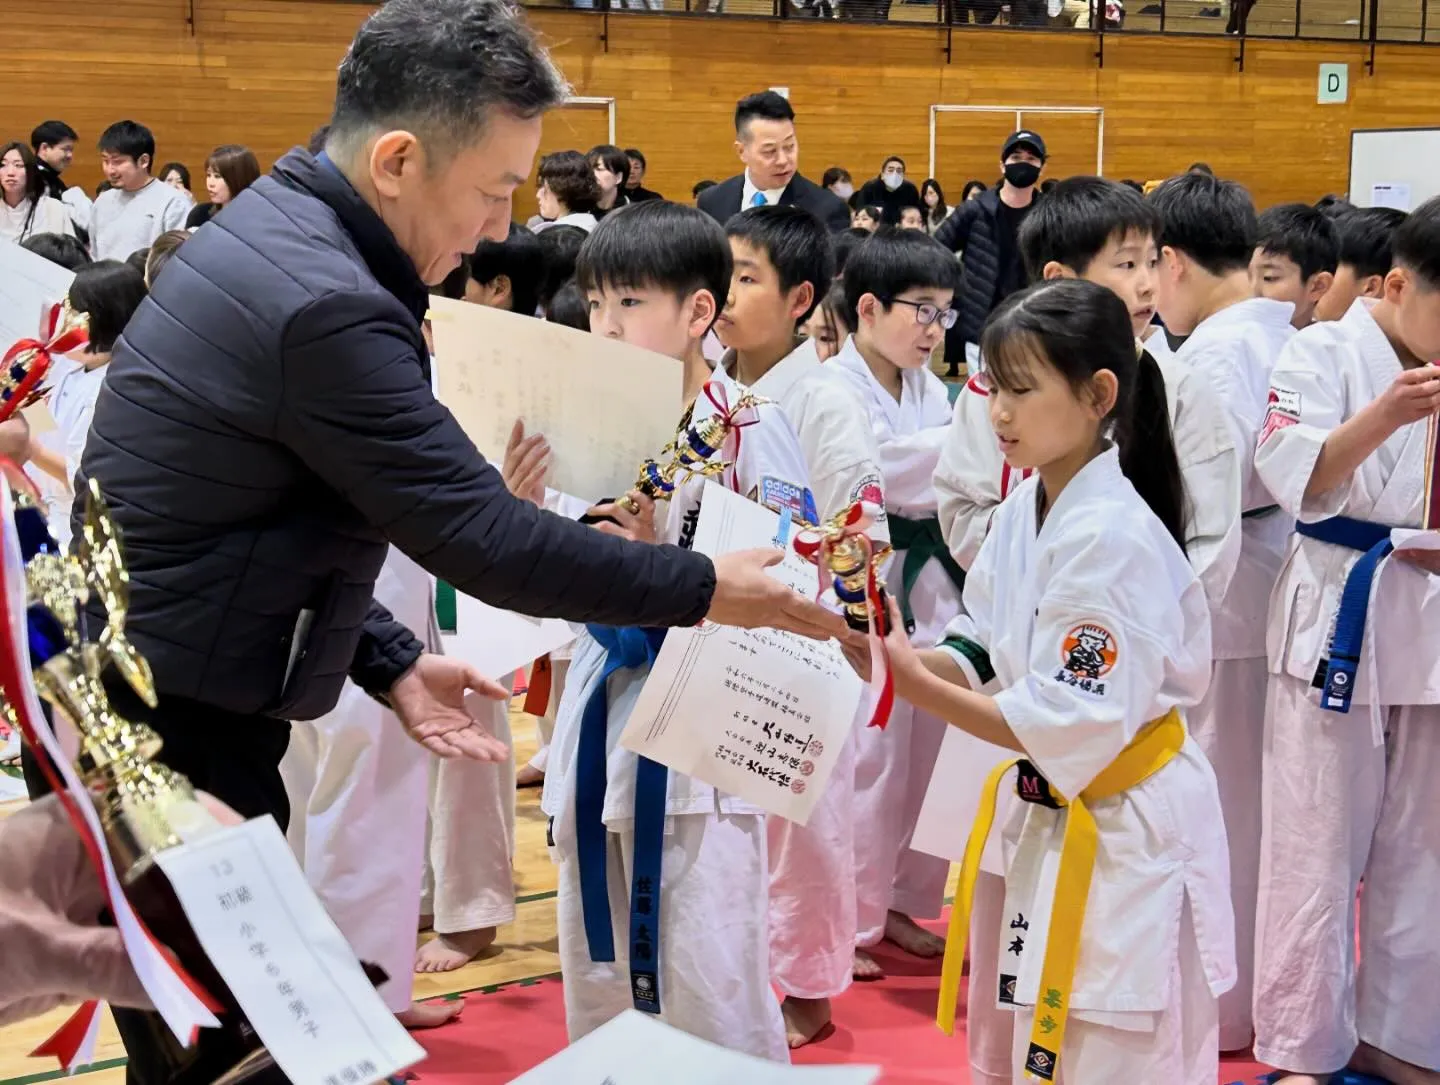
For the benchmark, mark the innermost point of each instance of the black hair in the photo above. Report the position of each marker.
(453, 285)
(1332, 204)
(657, 244)
(796, 243)
(1302, 233)
(767, 105)
(561, 246)
(700, 186)
(612, 158)
(34, 182)
(1080, 328)
(160, 253)
(892, 158)
(569, 307)
(893, 261)
(571, 179)
(1209, 220)
(101, 187)
(59, 249)
(519, 258)
(1047, 186)
(1416, 243)
(844, 243)
(917, 209)
(970, 186)
(51, 132)
(1201, 167)
(440, 68)
(138, 260)
(316, 142)
(177, 167)
(876, 214)
(109, 292)
(940, 209)
(832, 311)
(130, 139)
(1365, 235)
(1078, 218)
(638, 155)
(834, 175)
(1136, 185)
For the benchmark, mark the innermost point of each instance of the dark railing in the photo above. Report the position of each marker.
(1373, 22)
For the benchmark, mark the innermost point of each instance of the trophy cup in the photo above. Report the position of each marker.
(26, 363)
(145, 808)
(840, 547)
(690, 453)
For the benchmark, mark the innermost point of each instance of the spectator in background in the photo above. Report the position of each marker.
(633, 183)
(54, 145)
(932, 201)
(25, 208)
(867, 219)
(177, 176)
(766, 142)
(890, 191)
(973, 190)
(229, 171)
(137, 208)
(160, 253)
(844, 243)
(985, 230)
(912, 218)
(59, 249)
(612, 169)
(567, 192)
(561, 247)
(507, 274)
(826, 327)
(697, 188)
(837, 180)
(570, 308)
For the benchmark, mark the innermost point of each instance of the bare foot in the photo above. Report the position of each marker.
(529, 776)
(423, 1015)
(866, 967)
(447, 952)
(805, 1018)
(1371, 1060)
(911, 937)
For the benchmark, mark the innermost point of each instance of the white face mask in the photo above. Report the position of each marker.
(843, 189)
(892, 180)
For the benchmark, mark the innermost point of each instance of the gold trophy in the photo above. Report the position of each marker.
(25, 364)
(690, 453)
(852, 561)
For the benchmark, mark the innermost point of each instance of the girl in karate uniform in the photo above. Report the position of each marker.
(1087, 635)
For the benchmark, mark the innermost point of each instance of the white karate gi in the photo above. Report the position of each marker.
(1156, 946)
(713, 940)
(356, 783)
(893, 766)
(1235, 349)
(1339, 805)
(812, 867)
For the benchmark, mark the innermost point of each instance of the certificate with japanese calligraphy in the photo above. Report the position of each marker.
(756, 713)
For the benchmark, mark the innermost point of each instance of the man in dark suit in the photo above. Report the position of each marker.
(765, 140)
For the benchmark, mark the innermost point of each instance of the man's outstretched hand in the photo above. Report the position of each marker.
(748, 597)
(430, 701)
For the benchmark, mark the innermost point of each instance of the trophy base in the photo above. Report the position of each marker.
(861, 622)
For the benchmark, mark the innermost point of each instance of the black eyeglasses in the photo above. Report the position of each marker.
(925, 313)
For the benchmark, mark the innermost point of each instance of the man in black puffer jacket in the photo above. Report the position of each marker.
(985, 232)
(267, 429)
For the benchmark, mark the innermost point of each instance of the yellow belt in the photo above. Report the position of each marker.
(1158, 742)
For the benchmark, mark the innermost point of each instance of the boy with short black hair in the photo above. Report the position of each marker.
(508, 274)
(137, 208)
(1364, 236)
(1295, 258)
(54, 145)
(912, 218)
(655, 275)
(1353, 710)
(1208, 234)
(783, 266)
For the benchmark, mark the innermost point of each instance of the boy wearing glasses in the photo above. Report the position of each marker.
(899, 288)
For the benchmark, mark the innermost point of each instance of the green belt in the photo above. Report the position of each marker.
(1263, 510)
(922, 542)
(445, 607)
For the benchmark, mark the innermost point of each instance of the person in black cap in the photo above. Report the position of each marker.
(985, 230)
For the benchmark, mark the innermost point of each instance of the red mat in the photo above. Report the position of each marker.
(890, 1023)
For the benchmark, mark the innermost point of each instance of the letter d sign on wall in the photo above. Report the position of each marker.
(1334, 84)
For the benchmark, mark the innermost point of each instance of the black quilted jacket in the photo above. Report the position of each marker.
(267, 427)
(970, 230)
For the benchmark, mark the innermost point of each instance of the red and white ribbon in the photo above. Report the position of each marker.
(52, 341)
(734, 420)
(184, 1005)
(815, 546)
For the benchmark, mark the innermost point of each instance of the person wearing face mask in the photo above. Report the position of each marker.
(890, 191)
(985, 230)
(837, 179)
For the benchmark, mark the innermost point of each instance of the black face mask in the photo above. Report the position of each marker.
(1022, 174)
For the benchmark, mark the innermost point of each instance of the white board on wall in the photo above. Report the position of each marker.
(1387, 163)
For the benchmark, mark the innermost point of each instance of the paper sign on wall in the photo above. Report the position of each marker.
(1394, 194)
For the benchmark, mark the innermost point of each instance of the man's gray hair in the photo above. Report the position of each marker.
(439, 68)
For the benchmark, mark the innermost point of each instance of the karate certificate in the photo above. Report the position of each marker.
(756, 713)
(605, 407)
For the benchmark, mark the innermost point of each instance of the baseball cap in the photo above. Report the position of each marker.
(1025, 138)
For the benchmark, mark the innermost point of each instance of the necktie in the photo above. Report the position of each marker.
(758, 200)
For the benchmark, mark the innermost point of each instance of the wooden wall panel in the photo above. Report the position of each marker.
(261, 72)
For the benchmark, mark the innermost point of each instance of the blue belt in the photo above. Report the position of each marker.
(625, 648)
(1348, 633)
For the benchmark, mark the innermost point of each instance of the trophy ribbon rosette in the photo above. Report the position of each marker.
(26, 363)
(842, 551)
(707, 448)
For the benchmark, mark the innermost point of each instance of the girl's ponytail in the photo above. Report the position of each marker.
(1147, 448)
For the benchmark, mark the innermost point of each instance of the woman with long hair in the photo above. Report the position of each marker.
(932, 202)
(25, 210)
(229, 171)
